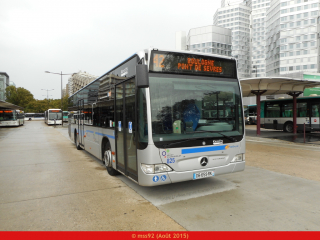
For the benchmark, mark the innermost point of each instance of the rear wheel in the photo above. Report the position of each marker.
(107, 159)
(288, 127)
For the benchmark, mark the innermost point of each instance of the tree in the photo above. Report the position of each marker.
(23, 98)
(19, 96)
(37, 106)
(65, 102)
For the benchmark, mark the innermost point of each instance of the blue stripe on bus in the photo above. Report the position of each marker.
(100, 134)
(203, 149)
(109, 136)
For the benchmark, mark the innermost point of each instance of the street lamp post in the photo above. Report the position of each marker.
(47, 91)
(61, 81)
(47, 95)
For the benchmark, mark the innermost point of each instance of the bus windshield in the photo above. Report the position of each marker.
(7, 115)
(55, 115)
(184, 107)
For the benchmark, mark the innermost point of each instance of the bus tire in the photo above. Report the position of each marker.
(107, 159)
(288, 127)
(76, 141)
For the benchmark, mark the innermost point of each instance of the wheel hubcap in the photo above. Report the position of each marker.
(107, 158)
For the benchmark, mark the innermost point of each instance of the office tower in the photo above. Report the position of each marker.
(209, 39)
(258, 37)
(292, 38)
(235, 15)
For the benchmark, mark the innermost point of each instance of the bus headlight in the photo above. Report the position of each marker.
(238, 158)
(147, 168)
(157, 168)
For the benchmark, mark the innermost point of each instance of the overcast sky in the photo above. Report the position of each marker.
(92, 35)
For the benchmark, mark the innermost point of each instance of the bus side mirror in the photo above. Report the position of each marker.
(142, 76)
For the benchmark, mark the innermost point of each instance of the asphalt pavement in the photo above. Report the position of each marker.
(46, 184)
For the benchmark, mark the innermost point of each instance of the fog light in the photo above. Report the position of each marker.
(238, 158)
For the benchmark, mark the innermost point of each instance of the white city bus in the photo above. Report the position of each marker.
(53, 117)
(33, 116)
(11, 117)
(153, 118)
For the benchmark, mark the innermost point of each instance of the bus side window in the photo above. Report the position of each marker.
(106, 114)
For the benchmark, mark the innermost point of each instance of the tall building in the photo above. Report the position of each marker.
(235, 15)
(292, 38)
(4, 82)
(181, 40)
(78, 81)
(258, 37)
(209, 39)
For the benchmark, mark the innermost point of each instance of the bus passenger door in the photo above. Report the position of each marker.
(315, 108)
(80, 129)
(126, 150)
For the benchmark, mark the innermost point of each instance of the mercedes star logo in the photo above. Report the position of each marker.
(204, 161)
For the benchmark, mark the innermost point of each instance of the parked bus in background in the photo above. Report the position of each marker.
(250, 114)
(11, 117)
(33, 116)
(53, 117)
(278, 114)
(162, 117)
(65, 116)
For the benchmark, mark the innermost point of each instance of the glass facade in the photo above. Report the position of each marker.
(4, 82)
(210, 39)
(292, 37)
(236, 16)
(258, 37)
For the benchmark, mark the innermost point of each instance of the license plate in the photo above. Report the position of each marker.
(203, 174)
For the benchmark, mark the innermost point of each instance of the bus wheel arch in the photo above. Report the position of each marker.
(288, 127)
(107, 157)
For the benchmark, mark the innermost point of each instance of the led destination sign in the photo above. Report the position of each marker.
(171, 62)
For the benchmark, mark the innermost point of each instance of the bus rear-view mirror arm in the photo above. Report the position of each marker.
(142, 76)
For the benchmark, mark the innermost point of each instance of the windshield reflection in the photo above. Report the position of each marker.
(185, 107)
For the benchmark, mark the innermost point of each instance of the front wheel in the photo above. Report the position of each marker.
(288, 127)
(77, 141)
(107, 159)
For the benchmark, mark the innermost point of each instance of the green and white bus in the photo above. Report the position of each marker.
(278, 114)
(162, 117)
(65, 116)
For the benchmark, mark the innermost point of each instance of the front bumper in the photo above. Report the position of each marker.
(174, 177)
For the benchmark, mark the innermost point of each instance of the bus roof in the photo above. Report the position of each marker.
(142, 52)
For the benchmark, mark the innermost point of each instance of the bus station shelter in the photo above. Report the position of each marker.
(274, 86)
(6, 105)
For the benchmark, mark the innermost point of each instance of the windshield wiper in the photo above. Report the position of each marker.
(228, 137)
(187, 140)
